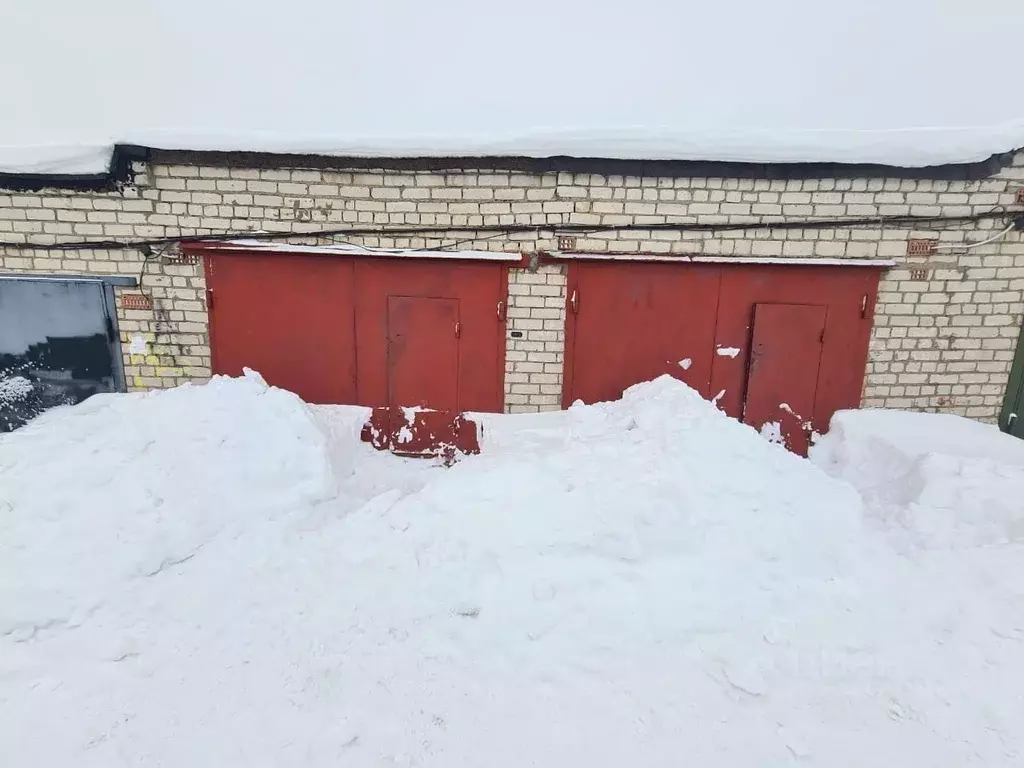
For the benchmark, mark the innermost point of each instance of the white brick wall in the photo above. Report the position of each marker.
(941, 343)
(533, 361)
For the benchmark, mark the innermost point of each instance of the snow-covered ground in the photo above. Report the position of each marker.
(223, 576)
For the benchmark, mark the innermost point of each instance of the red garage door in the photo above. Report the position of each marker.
(422, 327)
(774, 344)
(631, 323)
(364, 331)
(288, 317)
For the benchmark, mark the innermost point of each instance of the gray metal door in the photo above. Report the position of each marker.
(58, 345)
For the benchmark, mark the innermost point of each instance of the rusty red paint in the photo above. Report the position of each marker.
(319, 326)
(635, 321)
(421, 433)
(847, 329)
(290, 319)
(423, 352)
(477, 352)
(782, 378)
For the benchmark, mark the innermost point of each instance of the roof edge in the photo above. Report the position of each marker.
(121, 173)
(118, 174)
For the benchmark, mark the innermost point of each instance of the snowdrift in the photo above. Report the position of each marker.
(618, 584)
(122, 487)
(944, 480)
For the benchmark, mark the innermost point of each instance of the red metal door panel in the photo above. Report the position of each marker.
(290, 318)
(476, 287)
(423, 352)
(629, 322)
(848, 292)
(782, 379)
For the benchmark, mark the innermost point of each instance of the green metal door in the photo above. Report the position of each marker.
(1012, 418)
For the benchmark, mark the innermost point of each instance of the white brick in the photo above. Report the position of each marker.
(976, 296)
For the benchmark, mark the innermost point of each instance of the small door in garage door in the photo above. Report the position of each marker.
(629, 323)
(58, 346)
(362, 330)
(423, 352)
(782, 376)
(423, 301)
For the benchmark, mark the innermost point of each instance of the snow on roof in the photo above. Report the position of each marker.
(897, 83)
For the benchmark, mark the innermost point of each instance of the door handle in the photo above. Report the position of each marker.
(574, 302)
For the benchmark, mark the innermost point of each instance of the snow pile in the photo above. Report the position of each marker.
(618, 584)
(14, 389)
(895, 109)
(122, 487)
(941, 479)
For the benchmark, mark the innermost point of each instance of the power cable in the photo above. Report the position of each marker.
(568, 228)
(986, 241)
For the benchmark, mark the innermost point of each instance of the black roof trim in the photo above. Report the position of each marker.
(118, 174)
(120, 171)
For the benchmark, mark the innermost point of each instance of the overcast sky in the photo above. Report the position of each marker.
(425, 73)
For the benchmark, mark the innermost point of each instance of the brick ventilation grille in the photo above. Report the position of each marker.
(920, 247)
(136, 301)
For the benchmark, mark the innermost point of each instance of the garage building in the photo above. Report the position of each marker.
(781, 325)
(359, 236)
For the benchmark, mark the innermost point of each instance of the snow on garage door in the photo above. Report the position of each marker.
(362, 330)
(780, 347)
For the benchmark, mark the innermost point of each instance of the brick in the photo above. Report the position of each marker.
(965, 313)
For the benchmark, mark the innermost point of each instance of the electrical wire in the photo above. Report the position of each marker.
(457, 243)
(566, 228)
(504, 233)
(147, 257)
(968, 246)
